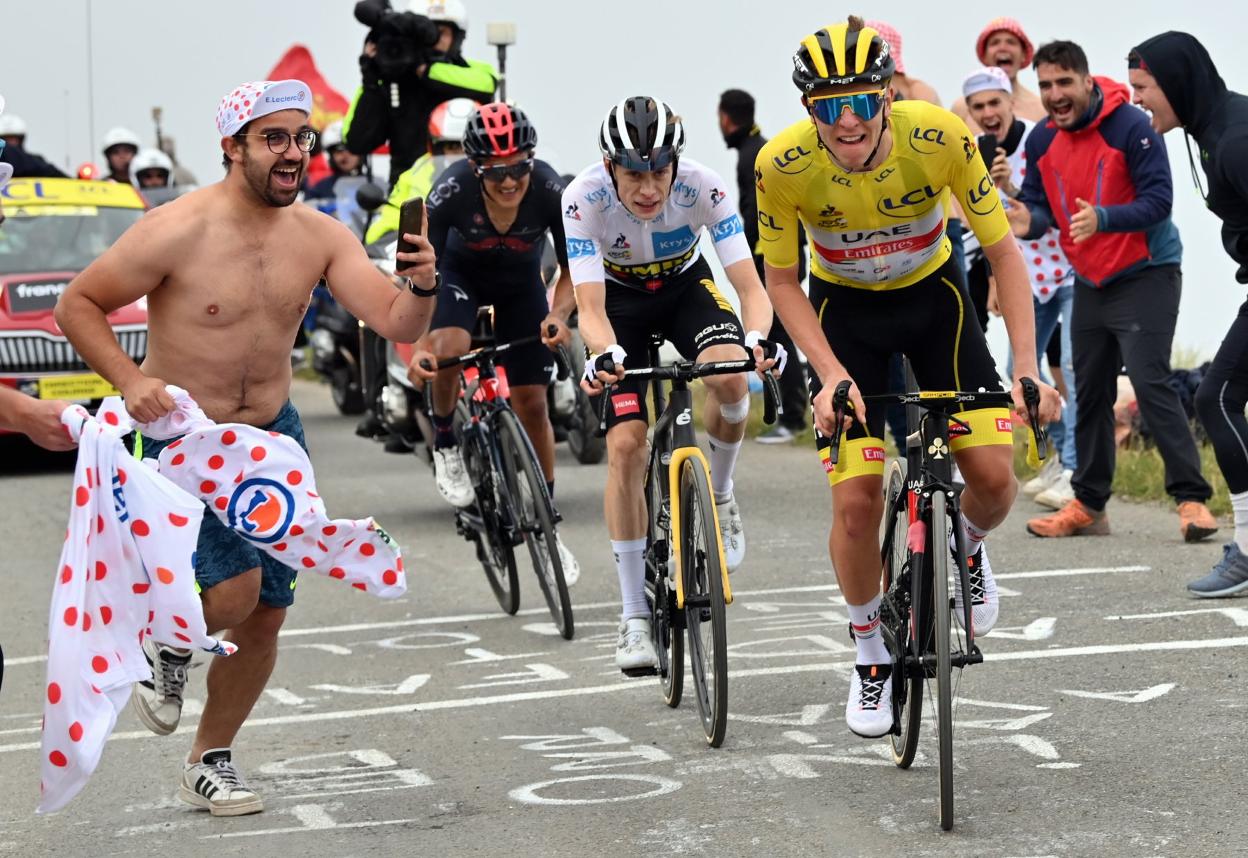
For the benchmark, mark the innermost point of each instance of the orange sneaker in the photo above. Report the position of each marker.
(1196, 521)
(1074, 519)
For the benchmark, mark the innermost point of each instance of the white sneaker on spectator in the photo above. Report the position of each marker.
(1059, 492)
(215, 785)
(1051, 470)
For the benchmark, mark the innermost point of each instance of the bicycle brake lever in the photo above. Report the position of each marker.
(563, 366)
(772, 407)
(602, 410)
(1031, 398)
(840, 401)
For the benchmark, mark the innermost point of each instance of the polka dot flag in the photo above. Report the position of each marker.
(125, 573)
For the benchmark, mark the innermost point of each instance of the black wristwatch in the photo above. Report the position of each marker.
(425, 293)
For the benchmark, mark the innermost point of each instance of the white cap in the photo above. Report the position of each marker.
(250, 101)
(12, 125)
(985, 79)
(442, 11)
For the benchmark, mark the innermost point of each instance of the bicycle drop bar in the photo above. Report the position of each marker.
(935, 400)
(687, 371)
(561, 354)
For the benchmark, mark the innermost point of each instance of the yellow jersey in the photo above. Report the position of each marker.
(879, 230)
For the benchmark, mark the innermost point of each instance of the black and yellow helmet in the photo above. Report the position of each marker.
(842, 54)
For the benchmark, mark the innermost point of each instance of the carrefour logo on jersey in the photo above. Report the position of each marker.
(684, 195)
(579, 247)
(668, 243)
(727, 227)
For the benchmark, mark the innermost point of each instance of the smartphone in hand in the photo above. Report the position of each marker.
(411, 221)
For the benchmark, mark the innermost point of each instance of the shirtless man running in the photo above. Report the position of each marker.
(228, 271)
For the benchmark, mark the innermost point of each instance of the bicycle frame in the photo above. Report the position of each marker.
(676, 442)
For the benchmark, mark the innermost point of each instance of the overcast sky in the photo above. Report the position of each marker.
(572, 60)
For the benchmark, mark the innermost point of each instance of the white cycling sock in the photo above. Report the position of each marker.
(865, 620)
(1239, 504)
(723, 462)
(974, 536)
(630, 565)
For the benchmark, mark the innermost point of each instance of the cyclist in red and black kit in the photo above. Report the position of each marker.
(488, 225)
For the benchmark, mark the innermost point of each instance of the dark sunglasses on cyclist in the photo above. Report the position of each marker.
(502, 172)
(864, 105)
(279, 141)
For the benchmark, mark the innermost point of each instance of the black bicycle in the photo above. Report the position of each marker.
(686, 575)
(512, 502)
(922, 502)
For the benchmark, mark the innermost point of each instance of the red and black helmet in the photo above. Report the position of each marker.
(498, 129)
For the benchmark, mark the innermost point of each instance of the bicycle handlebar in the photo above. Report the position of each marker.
(687, 371)
(935, 400)
(562, 362)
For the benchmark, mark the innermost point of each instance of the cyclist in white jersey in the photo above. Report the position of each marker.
(633, 224)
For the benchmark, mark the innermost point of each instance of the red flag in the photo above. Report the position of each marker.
(328, 104)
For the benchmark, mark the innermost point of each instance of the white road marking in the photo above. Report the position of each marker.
(1125, 696)
(468, 618)
(1239, 616)
(529, 794)
(285, 696)
(1036, 630)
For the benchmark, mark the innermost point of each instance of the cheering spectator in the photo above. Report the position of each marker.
(1099, 172)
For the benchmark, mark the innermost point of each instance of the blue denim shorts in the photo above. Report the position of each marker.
(221, 553)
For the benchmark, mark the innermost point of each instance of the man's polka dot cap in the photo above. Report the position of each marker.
(250, 101)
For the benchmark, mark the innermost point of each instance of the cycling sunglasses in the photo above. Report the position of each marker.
(501, 172)
(864, 105)
(658, 159)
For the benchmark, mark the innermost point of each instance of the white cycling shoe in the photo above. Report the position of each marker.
(634, 651)
(452, 477)
(869, 710)
(985, 603)
(731, 532)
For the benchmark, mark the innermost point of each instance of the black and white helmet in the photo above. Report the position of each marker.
(642, 133)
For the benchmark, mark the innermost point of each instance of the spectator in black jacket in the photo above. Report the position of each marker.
(13, 153)
(736, 123)
(395, 105)
(1177, 83)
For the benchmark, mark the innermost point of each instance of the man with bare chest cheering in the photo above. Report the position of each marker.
(228, 271)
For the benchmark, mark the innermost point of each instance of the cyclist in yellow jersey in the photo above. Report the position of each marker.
(872, 183)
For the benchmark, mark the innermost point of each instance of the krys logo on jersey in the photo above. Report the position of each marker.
(672, 242)
(261, 510)
(683, 195)
(599, 198)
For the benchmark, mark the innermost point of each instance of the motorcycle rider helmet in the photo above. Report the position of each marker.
(498, 129)
(844, 54)
(151, 159)
(121, 137)
(452, 12)
(332, 137)
(11, 125)
(449, 120)
(642, 133)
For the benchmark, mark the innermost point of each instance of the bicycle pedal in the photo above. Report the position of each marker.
(638, 672)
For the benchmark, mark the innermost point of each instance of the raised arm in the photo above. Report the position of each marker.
(394, 313)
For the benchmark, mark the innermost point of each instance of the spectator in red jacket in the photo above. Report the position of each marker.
(1098, 171)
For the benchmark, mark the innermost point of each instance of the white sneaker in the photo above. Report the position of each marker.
(731, 532)
(985, 603)
(571, 569)
(1059, 492)
(869, 710)
(1051, 471)
(634, 651)
(215, 785)
(158, 701)
(452, 477)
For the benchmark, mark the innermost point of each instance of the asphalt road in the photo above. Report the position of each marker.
(1108, 718)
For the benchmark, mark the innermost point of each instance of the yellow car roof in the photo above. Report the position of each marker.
(70, 192)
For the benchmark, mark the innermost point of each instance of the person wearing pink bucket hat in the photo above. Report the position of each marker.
(1004, 43)
(228, 272)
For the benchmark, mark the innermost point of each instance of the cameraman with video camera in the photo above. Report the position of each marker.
(411, 63)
